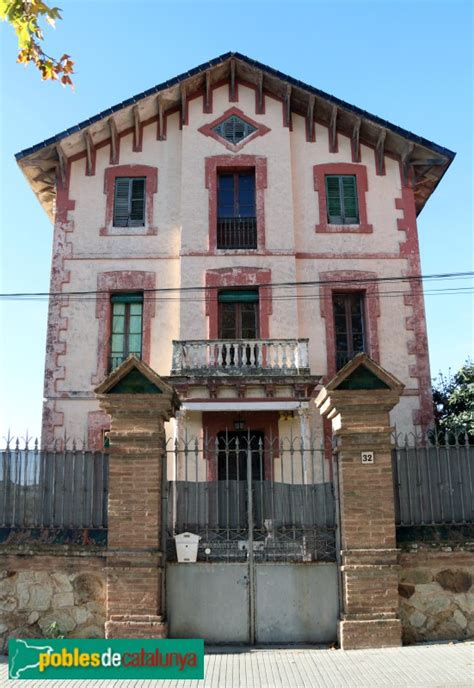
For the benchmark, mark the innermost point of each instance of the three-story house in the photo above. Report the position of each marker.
(243, 233)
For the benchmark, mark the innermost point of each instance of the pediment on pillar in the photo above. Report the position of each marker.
(133, 377)
(364, 374)
(362, 386)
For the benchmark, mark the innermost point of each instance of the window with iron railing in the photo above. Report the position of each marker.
(236, 214)
(348, 326)
(127, 324)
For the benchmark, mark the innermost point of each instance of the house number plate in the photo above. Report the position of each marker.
(367, 456)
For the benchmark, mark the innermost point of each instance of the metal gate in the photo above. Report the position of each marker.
(266, 567)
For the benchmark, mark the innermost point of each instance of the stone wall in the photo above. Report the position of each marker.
(66, 586)
(63, 586)
(436, 592)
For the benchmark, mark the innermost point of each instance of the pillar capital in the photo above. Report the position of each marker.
(135, 388)
(360, 390)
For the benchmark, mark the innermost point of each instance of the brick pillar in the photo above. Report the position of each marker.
(358, 401)
(138, 403)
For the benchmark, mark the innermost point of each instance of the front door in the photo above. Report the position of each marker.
(232, 455)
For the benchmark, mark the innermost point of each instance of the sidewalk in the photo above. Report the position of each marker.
(422, 666)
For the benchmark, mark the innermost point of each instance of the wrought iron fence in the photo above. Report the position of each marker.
(240, 491)
(285, 505)
(433, 478)
(42, 488)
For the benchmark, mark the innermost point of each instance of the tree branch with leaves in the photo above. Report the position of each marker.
(25, 17)
(453, 401)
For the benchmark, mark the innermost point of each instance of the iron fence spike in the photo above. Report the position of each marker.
(7, 439)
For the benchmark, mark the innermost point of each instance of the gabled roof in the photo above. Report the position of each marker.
(428, 160)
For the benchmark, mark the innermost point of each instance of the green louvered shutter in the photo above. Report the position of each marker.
(137, 203)
(333, 200)
(129, 202)
(121, 212)
(349, 195)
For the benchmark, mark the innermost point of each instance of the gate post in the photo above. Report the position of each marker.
(138, 403)
(358, 401)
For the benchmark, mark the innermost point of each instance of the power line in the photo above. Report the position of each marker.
(456, 291)
(273, 285)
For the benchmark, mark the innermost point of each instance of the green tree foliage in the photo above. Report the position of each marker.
(453, 401)
(25, 17)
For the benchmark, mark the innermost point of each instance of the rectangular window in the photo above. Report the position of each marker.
(236, 214)
(129, 202)
(238, 314)
(348, 326)
(126, 337)
(341, 199)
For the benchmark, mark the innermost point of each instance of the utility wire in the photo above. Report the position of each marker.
(274, 285)
(457, 291)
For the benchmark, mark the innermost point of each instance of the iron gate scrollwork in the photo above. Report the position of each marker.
(251, 497)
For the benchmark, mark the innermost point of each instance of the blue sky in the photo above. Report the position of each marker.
(408, 62)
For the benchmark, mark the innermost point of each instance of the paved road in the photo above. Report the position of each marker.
(422, 666)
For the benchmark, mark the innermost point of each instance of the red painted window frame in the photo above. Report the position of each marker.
(338, 168)
(236, 163)
(345, 281)
(208, 129)
(151, 187)
(229, 278)
(109, 283)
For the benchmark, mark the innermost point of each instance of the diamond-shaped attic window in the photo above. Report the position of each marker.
(234, 129)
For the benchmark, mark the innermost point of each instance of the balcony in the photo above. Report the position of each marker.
(236, 232)
(240, 357)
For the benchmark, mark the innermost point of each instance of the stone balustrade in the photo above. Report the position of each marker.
(240, 356)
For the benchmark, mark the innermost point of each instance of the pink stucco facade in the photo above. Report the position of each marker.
(175, 250)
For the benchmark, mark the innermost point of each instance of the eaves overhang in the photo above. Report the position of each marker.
(427, 161)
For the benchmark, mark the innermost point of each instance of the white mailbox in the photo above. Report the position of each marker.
(186, 547)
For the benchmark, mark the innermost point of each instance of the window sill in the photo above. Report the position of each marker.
(344, 229)
(128, 231)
